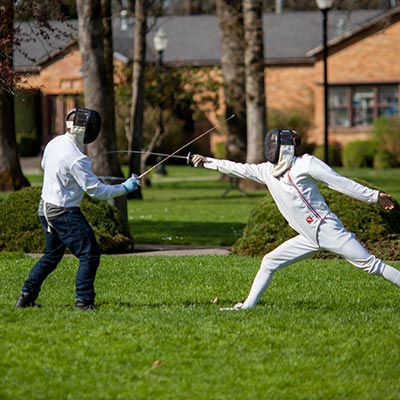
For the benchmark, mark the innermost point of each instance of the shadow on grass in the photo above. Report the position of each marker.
(186, 233)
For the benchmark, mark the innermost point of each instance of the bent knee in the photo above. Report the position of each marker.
(373, 266)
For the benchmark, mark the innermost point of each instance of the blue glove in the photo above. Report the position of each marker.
(131, 183)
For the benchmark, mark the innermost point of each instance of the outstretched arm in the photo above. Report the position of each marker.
(254, 172)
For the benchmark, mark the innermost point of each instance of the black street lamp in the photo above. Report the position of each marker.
(325, 6)
(160, 42)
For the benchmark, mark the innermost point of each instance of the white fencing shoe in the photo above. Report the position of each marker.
(237, 306)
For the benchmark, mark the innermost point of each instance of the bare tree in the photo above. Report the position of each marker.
(11, 176)
(98, 84)
(230, 19)
(255, 89)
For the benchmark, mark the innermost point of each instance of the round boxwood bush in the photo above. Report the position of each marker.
(20, 229)
(377, 229)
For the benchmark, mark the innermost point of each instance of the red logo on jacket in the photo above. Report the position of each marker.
(309, 220)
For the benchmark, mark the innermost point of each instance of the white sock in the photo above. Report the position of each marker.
(392, 275)
(259, 286)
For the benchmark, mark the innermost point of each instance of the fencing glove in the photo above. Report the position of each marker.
(197, 160)
(131, 183)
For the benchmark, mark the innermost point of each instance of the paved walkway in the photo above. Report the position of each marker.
(167, 250)
(179, 250)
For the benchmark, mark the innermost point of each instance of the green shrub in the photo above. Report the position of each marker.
(383, 160)
(386, 137)
(334, 154)
(359, 154)
(20, 229)
(377, 229)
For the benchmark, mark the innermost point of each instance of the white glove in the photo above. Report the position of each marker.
(198, 161)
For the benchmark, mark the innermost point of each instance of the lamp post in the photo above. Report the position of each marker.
(325, 6)
(160, 42)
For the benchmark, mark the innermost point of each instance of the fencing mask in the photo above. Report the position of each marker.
(84, 123)
(279, 149)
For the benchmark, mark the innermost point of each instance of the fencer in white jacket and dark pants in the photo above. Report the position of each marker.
(67, 177)
(292, 182)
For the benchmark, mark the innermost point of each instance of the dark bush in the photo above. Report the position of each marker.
(334, 154)
(359, 154)
(20, 229)
(377, 229)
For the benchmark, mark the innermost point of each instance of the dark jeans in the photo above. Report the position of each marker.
(69, 230)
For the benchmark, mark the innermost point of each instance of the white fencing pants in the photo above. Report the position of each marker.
(332, 236)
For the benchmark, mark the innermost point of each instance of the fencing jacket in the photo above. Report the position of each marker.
(68, 175)
(296, 191)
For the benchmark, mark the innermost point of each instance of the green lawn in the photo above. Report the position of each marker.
(324, 330)
(191, 211)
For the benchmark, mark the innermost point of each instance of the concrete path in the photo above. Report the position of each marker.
(166, 250)
(179, 250)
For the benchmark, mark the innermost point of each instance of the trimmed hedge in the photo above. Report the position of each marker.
(377, 229)
(20, 229)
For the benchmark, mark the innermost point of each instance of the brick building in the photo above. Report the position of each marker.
(363, 66)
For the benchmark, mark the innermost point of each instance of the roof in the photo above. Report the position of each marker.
(195, 39)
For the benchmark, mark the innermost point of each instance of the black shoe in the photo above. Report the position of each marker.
(26, 300)
(80, 305)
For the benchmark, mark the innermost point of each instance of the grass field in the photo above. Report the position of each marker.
(324, 330)
(183, 209)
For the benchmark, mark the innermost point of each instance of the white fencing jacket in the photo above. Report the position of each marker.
(296, 191)
(68, 175)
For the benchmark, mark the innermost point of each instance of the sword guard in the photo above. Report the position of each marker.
(189, 158)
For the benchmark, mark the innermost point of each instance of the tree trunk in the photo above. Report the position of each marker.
(95, 44)
(255, 83)
(232, 61)
(135, 141)
(11, 176)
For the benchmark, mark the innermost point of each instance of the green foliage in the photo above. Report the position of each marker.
(20, 229)
(386, 137)
(377, 229)
(173, 90)
(359, 154)
(334, 153)
(321, 331)
(292, 119)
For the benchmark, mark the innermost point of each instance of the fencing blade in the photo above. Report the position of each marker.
(152, 153)
(186, 145)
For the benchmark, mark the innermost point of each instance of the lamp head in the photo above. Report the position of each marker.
(324, 4)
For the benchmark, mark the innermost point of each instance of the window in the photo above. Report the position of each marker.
(360, 105)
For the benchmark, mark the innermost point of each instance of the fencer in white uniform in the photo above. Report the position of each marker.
(293, 184)
(67, 177)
